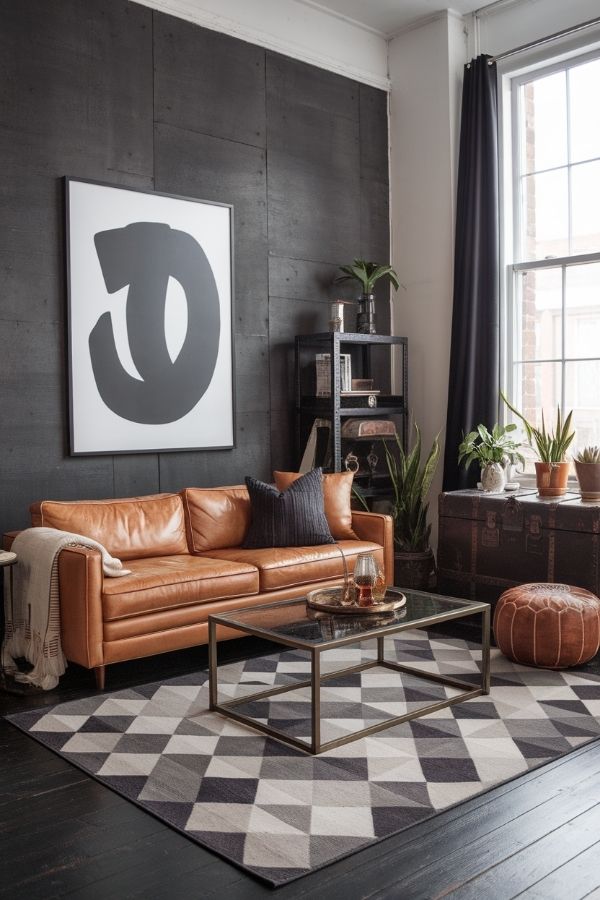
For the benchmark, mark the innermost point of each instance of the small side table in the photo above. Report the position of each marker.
(7, 560)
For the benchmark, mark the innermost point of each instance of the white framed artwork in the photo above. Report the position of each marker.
(150, 315)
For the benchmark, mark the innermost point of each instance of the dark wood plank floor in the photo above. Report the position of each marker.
(64, 835)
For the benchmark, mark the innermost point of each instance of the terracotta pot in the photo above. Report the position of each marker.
(552, 478)
(588, 475)
(414, 570)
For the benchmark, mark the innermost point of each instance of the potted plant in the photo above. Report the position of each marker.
(552, 469)
(367, 274)
(587, 466)
(413, 560)
(492, 450)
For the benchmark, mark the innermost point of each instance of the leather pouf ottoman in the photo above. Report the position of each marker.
(553, 626)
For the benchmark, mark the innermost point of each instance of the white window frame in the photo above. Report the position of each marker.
(511, 76)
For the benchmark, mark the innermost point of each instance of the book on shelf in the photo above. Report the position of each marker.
(323, 372)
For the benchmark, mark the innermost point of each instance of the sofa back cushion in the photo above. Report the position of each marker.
(132, 528)
(337, 497)
(216, 518)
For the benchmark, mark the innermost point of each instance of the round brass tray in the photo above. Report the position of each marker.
(330, 600)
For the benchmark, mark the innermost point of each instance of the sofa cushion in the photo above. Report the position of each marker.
(283, 567)
(216, 517)
(337, 496)
(166, 582)
(290, 518)
(131, 528)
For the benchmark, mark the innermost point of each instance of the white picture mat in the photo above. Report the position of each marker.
(96, 428)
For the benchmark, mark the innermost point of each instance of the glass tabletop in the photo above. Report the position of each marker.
(294, 621)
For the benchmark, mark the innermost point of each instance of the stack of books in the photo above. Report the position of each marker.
(323, 370)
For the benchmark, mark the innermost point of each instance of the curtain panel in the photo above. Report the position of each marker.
(475, 349)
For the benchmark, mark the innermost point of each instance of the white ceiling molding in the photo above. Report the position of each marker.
(338, 15)
(303, 31)
(426, 20)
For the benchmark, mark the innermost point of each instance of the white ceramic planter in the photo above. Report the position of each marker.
(493, 478)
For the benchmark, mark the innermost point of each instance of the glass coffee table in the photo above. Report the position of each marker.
(292, 624)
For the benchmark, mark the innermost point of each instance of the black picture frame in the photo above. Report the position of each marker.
(128, 251)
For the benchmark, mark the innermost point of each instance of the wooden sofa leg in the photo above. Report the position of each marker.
(100, 673)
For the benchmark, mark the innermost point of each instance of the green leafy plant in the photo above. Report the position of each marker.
(367, 274)
(411, 481)
(589, 455)
(493, 446)
(550, 446)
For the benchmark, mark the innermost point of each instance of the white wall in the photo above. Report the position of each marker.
(295, 29)
(426, 72)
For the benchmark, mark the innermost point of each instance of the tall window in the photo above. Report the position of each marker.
(553, 278)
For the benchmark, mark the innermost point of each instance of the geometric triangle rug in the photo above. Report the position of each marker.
(279, 813)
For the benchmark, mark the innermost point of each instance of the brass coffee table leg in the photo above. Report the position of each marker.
(485, 651)
(212, 664)
(315, 700)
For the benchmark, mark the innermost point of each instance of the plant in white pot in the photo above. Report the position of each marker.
(587, 466)
(492, 450)
(411, 480)
(552, 468)
(367, 274)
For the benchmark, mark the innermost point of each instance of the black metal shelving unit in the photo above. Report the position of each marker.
(371, 357)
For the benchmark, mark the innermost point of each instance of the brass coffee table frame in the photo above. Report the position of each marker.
(227, 708)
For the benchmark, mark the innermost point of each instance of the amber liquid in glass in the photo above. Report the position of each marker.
(364, 583)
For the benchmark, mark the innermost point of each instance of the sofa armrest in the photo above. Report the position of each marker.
(80, 579)
(378, 528)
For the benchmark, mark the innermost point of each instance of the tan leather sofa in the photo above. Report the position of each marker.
(186, 561)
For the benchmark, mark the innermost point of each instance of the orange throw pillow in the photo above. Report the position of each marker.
(337, 494)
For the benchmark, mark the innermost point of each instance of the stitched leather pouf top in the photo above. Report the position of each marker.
(553, 626)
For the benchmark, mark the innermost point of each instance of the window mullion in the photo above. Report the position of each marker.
(569, 159)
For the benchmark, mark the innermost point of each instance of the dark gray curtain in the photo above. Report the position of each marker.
(474, 354)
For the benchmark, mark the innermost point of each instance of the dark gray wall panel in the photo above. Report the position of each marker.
(373, 106)
(309, 87)
(209, 168)
(253, 457)
(301, 279)
(77, 87)
(283, 440)
(135, 474)
(109, 90)
(251, 373)
(208, 82)
(314, 163)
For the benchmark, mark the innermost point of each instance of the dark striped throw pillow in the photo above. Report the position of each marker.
(291, 518)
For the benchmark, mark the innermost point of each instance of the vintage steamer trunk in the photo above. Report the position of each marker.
(490, 542)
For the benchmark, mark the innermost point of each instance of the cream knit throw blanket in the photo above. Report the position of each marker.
(32, 614)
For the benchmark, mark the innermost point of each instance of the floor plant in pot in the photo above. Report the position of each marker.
(411, 479)
(552, 467)
(587, 466)
(367, 274)
(492, 450)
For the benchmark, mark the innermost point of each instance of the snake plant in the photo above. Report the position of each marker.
(411, 481)
(550, 446)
